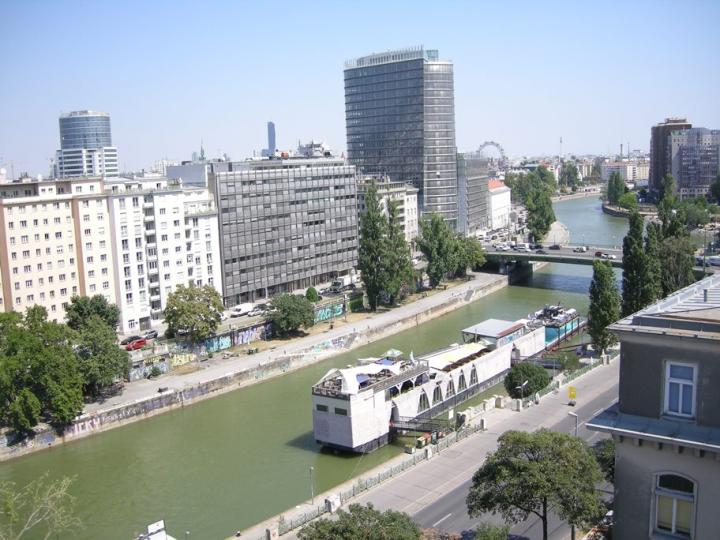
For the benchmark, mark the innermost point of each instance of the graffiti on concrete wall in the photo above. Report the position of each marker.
(181, 358)
(326, 313)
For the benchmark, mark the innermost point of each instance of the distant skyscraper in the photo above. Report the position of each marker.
(400, 121)
(695, 158)
(660, 150)
(86, 146)
(271, 147)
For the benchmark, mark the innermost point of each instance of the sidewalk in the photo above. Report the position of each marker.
(219, 366)
(430, 480)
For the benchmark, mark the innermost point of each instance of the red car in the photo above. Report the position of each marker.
(136, 344)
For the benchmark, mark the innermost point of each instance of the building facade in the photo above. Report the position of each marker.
(85, 146)
(660, 163)
(499, 204)
(695, 159)
(55, 242)
(164, 235)
(404, 195)
(400, 121)
(666, 423)
(473, 181)
(285, 224)
(630, 171)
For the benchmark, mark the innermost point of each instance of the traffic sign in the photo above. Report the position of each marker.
(572, 392)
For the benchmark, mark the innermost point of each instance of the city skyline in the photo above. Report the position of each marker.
(596, 77)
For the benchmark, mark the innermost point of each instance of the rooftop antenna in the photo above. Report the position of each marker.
(560, 156)
(202, 150)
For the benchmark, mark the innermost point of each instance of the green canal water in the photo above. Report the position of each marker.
(234, 460)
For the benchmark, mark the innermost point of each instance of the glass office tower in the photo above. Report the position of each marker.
(400, 121)
(85, 146)
(85, 129)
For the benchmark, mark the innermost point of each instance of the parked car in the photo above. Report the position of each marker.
(256, 312)
(136, 344)
(241, 310)
(151, 334)
(129, 339)
(555, 246)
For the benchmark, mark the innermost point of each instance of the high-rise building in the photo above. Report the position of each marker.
(695, 159)
(271, 144)
(400, 121)
(666, 422)
(86, 146)
(473, 196)
(285, 223)
(660, 151)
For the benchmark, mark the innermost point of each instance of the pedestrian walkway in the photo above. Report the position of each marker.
(430, 480)
(558, 234)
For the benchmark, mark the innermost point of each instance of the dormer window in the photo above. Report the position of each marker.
(680, 380)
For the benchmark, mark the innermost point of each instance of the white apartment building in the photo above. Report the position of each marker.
(630, 171)
(164, 235)
(499, 204)
(404, 194)
(54, 243)
(77, 162)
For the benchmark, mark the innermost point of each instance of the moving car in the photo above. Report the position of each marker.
(541, 252)
(151, 334)
(129, 339)
(136, 344)
(608, 256)
(555, 246)
(598, 253)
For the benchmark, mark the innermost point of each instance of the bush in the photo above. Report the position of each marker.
(154, 372)
(356, 304)
(487, 531)
(312, 294)
(536, 377)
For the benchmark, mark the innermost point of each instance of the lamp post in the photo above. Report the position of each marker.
(572, 527)
(522, 389)
(312, 486)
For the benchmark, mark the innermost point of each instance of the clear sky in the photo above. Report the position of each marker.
(597, 73)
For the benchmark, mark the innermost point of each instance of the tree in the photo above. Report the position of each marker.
(628, 201)
(373, 225)
(487, 531)
(540, 213)
(604, 452)
(24, 412)
(652, 271)
(289, 312)
(362, 523)
(604, 305)
(715, 189)
(397, 260)
(437, 243)
(193, 310)
(102, 363)
(536, 377)
(312, 294)
(41, 509)
(469, 254)
(667, 209)
(81, 308)
(634, 262)
(615, 188)
(537, 473)
(676, 261)
(569, 176)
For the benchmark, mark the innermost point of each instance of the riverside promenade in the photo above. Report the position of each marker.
(234, 369)
(433, 491)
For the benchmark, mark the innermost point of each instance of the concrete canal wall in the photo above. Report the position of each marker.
(348, 338)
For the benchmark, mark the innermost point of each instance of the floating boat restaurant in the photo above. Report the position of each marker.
(355, 409)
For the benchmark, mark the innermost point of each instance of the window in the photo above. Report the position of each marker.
(341, 412)
(321, 408)
(674, 505)
(680, 389)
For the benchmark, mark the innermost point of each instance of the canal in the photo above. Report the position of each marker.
(234, 460)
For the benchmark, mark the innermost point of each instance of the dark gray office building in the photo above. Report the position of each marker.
(285, 224)
(660, 158)
(473, 178)
(400, 121)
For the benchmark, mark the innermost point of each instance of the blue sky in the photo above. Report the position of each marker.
(171, 73)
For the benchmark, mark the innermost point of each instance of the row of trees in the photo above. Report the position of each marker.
(47, 368)
(534, 190)
(615, 188)
(569, 176)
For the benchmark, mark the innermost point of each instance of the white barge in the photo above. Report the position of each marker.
(354, 408)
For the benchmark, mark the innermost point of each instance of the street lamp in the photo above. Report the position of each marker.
(312, 486)
(572, 526)
(522, 389)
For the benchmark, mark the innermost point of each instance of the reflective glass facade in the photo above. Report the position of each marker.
(400, 120)
(85, 129)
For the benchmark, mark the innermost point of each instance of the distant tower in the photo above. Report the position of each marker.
(85, 146)
(271, 145)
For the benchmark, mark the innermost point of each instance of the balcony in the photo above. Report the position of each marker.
(147, 218)
(148, 204)
(153, 271)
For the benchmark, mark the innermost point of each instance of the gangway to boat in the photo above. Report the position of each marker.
(421, 425)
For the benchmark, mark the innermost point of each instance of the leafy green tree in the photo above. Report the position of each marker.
(652, 270)
(547, 179)
(362, 523)
(715, 189)
(676, 261)
(102, 363)
(289, 313)
(40, 509)
(694, 213)
(193, 310)
(569, 176)
(536, 377)
(81, 308)
(312, 294)
(488, 531)
(469, 254)
(604, 452)
(437, 244)
(667, 209)
(24, 412)
(397, 261)
(628, 201)
(540, 213)
(604, 305)
(634, 262)
(615, 188)
(373, 226)
(538, 473)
